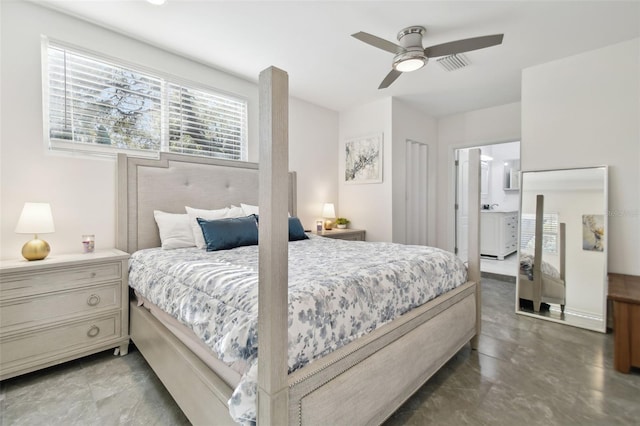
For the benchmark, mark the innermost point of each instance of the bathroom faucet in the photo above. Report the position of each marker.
(493, 206)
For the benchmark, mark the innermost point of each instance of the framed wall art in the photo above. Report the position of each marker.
(593, 232)
(363, 160)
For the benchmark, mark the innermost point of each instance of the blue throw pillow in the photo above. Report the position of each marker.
(296, 230)
(224, 234)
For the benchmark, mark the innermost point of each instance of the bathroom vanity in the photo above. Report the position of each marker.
(498, 233)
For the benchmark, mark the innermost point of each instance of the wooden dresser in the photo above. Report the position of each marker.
(624, 292)
(61, 308)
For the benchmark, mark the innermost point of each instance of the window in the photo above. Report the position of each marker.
(550, 231)
(104, 107)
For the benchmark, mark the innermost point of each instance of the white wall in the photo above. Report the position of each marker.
(313, 154)
(584, 110)
(368, 206)
(81, 189)
(480, 127)
(409, 123)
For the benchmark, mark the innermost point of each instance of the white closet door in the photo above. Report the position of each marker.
(417, 156)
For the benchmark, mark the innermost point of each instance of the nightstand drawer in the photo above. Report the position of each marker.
(353, 237)
(25, 348)
(20, 285)
(344, 234)
(29, 311)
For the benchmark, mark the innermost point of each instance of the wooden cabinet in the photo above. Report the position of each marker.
(344, 234)
(624, 291)
(62, 308)
(498, 233)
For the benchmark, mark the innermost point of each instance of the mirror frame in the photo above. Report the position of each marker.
(570, 318)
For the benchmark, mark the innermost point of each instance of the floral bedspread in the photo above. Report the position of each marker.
(338, 291)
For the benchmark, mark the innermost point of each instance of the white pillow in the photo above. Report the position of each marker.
(235, 211)
(194, 214)
(175, 230)
(248, 209)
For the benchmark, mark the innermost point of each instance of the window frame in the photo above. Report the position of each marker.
(53, 145)
(530, 218)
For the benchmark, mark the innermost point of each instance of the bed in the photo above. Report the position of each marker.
(361, 382)
(539, 281)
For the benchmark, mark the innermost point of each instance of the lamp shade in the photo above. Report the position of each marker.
(328, 210)
(36, 218)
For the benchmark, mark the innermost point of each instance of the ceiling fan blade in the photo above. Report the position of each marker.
(390, 78)
(378, 42)
(461, 46)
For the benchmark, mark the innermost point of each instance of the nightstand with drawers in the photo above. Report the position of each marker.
(344, 234)
(61, 308)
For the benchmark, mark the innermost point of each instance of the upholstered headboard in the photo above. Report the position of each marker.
(174, 181)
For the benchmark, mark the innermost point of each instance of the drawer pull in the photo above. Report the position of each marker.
(93, 331)
(93, 300)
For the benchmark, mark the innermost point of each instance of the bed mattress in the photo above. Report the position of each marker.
(338, 291)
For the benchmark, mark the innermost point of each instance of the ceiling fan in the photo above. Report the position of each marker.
(411, 56)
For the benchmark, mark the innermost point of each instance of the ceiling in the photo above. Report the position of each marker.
(311, 41)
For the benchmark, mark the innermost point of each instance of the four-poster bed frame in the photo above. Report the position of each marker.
(363, 382)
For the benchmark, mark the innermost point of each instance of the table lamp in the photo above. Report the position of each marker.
(35, 219)
(328, 213)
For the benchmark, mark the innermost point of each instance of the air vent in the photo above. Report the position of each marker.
(453, 62)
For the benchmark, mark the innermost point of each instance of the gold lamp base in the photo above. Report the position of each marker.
(328, 225)
(36, 249)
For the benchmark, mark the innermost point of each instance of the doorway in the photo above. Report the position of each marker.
(499, 203)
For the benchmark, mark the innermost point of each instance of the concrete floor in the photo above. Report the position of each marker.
(527, 371)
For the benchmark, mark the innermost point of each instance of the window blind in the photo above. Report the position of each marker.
(100, 106)
(550, 229)
(207, 124)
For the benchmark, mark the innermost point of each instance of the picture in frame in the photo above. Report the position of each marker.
(593, 232)
(363, 160)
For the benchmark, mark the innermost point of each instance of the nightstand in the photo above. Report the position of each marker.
(61, 308)
(344, 234)
(624, 291)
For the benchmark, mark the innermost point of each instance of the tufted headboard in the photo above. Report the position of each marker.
(174, 181)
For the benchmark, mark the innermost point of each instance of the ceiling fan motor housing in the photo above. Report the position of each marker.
(411, 36)
(410, 39)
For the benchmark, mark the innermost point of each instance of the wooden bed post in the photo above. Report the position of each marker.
(273, 392)
(537, 254)
(474, 236)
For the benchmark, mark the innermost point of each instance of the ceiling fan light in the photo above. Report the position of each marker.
(409, 64)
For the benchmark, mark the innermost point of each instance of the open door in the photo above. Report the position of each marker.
(461, 206)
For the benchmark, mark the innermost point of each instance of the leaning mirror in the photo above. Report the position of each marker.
(563, 246)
